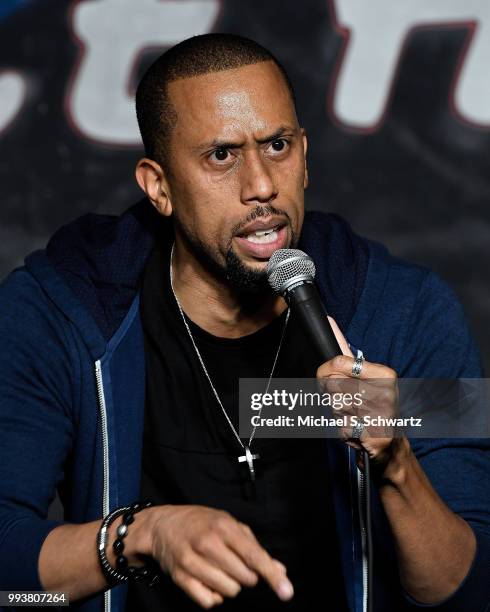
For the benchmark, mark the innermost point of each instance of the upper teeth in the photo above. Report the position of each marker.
(263, 232)
(263, 236)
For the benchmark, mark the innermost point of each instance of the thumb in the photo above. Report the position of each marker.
(344, 347)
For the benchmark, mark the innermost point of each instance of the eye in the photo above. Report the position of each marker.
(220, 154)
(279, 145)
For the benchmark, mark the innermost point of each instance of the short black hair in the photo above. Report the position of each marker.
(192, 57)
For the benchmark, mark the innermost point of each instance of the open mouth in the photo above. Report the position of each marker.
(261, 239)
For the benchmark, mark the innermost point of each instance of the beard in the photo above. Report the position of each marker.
(244, 280)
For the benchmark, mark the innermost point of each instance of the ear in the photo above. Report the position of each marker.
(305, 148)
(151, 178)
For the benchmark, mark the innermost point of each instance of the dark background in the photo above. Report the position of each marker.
(416, 179)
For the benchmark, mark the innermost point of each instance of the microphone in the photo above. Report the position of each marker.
(291, 273)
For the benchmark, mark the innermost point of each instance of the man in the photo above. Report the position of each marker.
(122, 346)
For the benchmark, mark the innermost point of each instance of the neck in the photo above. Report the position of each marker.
(213, 305)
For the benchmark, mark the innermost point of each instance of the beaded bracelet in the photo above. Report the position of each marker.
(123, 573)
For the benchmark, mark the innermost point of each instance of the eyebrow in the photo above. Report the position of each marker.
(217, 143)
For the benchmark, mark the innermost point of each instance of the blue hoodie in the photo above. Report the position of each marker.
(73, 380)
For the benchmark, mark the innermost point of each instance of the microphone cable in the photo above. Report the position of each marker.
(369, 531)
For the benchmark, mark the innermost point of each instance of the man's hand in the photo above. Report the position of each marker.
(377, 385)
(208, 553)
(211, 555)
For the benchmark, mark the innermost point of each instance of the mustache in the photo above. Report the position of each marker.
(260, 212)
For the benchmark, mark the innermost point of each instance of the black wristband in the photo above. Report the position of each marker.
(149, 573)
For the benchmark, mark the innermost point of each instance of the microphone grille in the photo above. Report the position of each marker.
(287, 267)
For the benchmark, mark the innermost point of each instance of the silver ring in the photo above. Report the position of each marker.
(357, 430)
(357, 367)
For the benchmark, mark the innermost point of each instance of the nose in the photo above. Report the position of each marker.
(257, 182)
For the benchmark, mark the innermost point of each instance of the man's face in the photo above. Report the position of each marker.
(237, 169)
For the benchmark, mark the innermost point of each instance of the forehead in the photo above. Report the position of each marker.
(248, 98)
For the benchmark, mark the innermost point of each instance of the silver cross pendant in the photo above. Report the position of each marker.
(249, 458)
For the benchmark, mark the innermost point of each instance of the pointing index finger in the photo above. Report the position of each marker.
(258, 559)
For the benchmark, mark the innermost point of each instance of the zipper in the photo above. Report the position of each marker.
(365, 569)
(105, 457)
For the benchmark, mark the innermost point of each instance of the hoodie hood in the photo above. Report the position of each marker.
(102, 258)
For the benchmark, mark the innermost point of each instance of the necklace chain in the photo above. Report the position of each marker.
(244, 447)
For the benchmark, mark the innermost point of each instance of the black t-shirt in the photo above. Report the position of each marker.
(190, 452)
